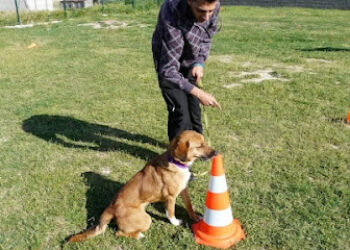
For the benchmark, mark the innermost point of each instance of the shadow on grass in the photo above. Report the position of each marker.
(101, 193)
(326, 49)
(74, 133)
(338, 120)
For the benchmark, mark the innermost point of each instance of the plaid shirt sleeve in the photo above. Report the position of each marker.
(172, 46)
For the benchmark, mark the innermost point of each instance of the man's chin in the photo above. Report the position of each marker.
(201, 20)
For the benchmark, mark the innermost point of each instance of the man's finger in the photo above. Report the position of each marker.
(217, 105)
(198, 78)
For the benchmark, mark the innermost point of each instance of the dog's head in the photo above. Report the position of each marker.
(189, 146)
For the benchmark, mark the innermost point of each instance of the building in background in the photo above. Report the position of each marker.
(320, 4)
(38, 5)
(31, 5)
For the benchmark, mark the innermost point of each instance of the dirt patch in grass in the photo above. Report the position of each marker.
(233, 85)
(224, 58)
(317, 60)
(105, 171)
(30, 25)
(294, 69)
(257, 76)
(112, 24)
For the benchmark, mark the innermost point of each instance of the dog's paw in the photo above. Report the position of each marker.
(175, 221)
(140, 236)
(196, 217)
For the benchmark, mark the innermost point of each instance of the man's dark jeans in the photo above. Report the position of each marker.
(184, 112)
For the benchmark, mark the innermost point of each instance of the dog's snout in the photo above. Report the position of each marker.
(213, 153)
(209, 154)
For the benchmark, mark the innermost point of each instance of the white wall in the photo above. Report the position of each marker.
(7, 5)
(40, 4)
(32, 5)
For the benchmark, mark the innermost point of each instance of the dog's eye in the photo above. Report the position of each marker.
(200, 146)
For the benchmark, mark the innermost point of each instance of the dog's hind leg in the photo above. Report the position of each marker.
(134, 225)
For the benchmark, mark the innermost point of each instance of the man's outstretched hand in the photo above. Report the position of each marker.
(205, 98)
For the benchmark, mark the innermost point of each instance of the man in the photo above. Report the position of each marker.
(180, 46)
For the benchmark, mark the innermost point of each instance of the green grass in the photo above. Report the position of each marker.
(82, 112)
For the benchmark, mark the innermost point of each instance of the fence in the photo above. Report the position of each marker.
(321, 4)
(47, 5)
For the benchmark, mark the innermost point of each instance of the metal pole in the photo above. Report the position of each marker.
(65, 8)
(17, 11)
(48, 11)
(103, 6)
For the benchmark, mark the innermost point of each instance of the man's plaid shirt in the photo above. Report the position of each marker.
(179, 41)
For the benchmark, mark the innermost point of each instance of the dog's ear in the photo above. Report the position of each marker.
(182, 150)
(172, 145)
(178, 148)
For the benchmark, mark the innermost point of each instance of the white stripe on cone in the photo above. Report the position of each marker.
(217, 184)
(218, 218)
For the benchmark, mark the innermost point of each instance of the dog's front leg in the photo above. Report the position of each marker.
(186, 199)
(170, 211)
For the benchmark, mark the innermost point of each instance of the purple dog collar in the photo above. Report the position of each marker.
(176, 163)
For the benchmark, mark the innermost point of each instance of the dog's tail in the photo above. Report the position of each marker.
(105, 218)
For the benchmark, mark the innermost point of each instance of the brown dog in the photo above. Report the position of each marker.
(161, 180)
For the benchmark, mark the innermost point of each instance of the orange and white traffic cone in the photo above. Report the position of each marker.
(218, 228)
(348, 118)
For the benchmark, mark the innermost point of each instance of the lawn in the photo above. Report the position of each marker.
(81, 113)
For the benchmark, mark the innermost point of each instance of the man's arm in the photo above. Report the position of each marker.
(172, 45)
